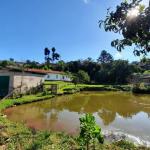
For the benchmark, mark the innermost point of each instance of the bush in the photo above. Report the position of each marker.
(83, 76)
(89, 131)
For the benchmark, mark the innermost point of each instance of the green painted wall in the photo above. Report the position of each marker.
(4, 85)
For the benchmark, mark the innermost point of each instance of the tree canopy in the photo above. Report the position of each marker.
(105, 57)
(132, 20)
(51, 55)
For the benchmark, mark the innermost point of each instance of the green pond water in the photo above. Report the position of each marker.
(114, 111)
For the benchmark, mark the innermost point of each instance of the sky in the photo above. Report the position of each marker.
(71, 26)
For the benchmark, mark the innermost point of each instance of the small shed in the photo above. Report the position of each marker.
(11, 79)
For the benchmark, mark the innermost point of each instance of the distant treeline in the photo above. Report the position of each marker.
(105, 70)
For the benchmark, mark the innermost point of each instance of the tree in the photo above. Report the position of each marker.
(102, 76)
(11, 59)
(83, 76)
(54, 56)
(120, 71)
(105, 57)
(60, 66)
(4, 63)
(132, 20)
(31, 64)
(116, 72)
(75, 79)
(145, 60)
(90, 131)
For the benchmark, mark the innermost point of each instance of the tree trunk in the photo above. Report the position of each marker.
(93, 144)
(87, 146)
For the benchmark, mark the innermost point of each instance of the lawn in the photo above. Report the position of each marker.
(25, 99)
(68, 86)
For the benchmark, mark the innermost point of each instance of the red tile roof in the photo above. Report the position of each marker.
(40, 71)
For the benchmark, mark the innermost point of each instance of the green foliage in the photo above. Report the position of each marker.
(23, 100)
(31, 64)
(75, 79)
(89, 71)
(147, 72)
(89, 131)
(6, 63)
(61, 65)
(125, 145)
(134, 28)
(40, 140)
(115, 73)
(105, 57)
(141, 89)
(71, 90)
(50, 55)
(83, 76)
(101, 73)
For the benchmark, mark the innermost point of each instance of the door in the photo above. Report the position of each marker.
(4, 85)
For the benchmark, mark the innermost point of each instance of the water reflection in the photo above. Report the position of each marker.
(112, 110)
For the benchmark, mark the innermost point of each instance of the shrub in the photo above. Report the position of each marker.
(89, 131)
(83, 76)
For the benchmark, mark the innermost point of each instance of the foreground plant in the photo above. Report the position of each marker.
(90, 132)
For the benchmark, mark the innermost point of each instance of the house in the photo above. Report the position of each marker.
(145, 79)
(141, 78)
(51, 75)
(15, 79)
(24, 80)
(145, 66)
(57, 76)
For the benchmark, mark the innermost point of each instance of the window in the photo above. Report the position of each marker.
(56, 76)
(48, 76)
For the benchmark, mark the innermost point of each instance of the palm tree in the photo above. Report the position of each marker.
(50, 58)
(55, 56)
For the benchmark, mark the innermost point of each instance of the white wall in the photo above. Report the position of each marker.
(28, 80)
(57, 77)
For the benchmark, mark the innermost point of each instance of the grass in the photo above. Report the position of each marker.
(147, 72)
(25, 99)
(15, 136)
(67, 87)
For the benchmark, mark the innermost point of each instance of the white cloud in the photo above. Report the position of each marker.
(118, 55)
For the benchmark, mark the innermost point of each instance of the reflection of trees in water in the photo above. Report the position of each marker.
(110, 104)
(107, 116)
(148, 115)
(125, 105)
(52, 117)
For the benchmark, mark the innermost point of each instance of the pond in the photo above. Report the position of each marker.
(114, 111)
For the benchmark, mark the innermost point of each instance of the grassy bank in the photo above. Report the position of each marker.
(69, 88)
(16, 136)
(23, 100)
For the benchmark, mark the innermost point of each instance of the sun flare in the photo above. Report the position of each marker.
(134, 12)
